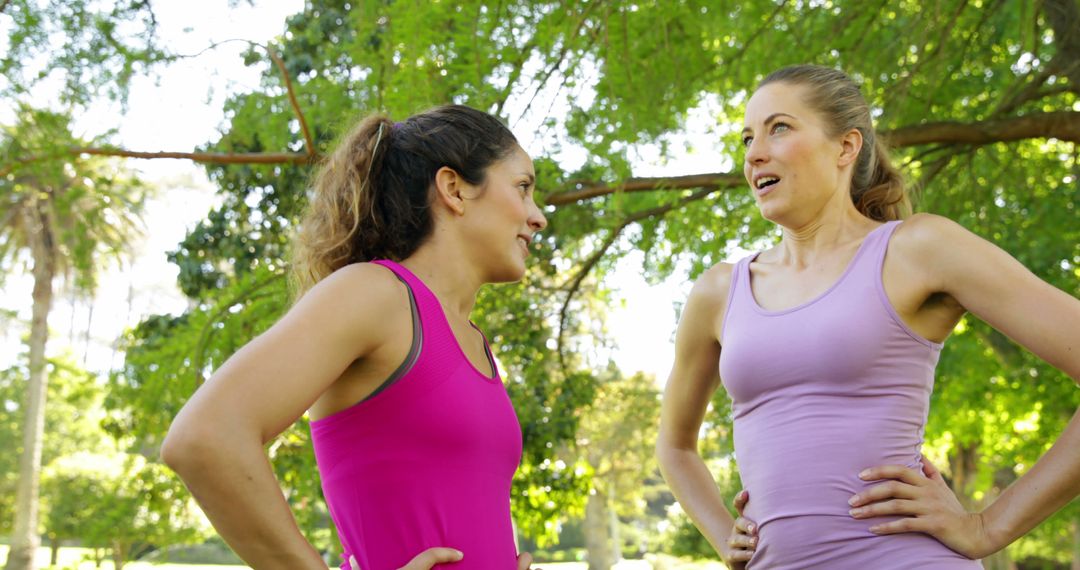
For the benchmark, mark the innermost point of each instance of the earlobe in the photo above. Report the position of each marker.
(448, 186)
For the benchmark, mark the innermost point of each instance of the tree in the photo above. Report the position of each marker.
(616, 436)
(979, 102)
(63, 216)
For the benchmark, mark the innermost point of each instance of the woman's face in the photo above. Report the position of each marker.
(793, 167)
(505, 217)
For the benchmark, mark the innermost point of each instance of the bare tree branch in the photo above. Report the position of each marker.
(1064, 125)
(586, 190)
(587, 266)
(308, 142)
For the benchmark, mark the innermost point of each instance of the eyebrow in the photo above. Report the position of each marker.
(770, 119)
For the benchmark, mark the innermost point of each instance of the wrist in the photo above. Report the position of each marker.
(989, 535)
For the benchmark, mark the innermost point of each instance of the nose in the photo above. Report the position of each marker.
(756, 152)
(537, 221)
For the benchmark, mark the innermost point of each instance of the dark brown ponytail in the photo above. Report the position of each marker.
(370, 198)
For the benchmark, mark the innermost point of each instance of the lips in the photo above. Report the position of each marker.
(764, 182)
(523, 241)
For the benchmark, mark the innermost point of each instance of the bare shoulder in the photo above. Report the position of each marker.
(926, 233)
(356, 299)
(712, 286)
(704, 310)
(934, 247)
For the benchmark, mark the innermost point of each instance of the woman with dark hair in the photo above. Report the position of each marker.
(414, 434)
(827, 344)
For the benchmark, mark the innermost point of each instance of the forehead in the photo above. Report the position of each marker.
(774, 98)
(517, 162)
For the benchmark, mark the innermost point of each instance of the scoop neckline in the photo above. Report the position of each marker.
(847, 270)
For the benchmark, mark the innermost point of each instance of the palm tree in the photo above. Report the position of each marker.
(62, 215)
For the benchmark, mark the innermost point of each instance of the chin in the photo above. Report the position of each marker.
(509, 273)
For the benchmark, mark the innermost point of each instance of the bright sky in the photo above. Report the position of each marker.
(182, 109)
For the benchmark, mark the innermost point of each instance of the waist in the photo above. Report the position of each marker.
(804, 468)
(386, 520)
(842, 543)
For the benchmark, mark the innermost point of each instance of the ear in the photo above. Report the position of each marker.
(850, 146)
(448, 187)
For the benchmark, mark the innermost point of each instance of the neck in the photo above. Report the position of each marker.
(444, 269)
(838, 223)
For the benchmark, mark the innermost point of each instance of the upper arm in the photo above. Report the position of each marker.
(695, 374)
(269, 383)
(995, 287)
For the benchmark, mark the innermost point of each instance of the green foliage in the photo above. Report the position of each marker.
(91, 204)
(120, 502)
(91, 48)
(616, 78)
(71, 422)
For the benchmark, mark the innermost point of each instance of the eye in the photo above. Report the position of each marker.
(747, 140)
(780, 127)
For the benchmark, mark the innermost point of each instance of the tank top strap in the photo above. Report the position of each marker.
(739, 297)
(872, 258)
(427, 304)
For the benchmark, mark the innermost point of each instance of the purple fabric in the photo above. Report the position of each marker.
(426, 462)
(820, 392)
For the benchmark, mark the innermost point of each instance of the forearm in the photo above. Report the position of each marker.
(1049, 485)
(693, 486)
(236, 488)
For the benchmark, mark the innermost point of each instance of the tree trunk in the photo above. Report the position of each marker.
(613, 521)
(25, 539)
(1076, 544)
(54, 550)
(597, 539)
(118, 555)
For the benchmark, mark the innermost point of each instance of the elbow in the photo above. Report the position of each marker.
(184, 447)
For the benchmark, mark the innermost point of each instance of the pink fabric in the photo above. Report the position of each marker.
(820, 392)
(426, 462)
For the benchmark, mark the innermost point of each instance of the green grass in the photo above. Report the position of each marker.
(73, 558)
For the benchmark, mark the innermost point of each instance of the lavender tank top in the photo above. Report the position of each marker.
(425, 462)
(820, 392)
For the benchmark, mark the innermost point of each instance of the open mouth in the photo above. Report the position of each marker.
(763, 182)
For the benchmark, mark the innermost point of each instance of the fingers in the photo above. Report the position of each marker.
(738, 540)
(884, 491)
(745, 526)
(886, 508)
(353, 563)
(524, 560)
(740, 501)
(432, 556)
(897, 472)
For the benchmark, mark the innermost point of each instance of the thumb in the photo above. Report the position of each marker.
(740, 501)
(930, 470)
(432, 556)
(524, 561)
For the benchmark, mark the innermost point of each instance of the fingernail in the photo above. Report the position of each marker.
(459, 554)
(853, 500)
(856, 512)
(875, 528)
(751, 528)
(864, 474)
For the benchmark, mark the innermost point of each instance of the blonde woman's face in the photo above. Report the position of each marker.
(790, 163)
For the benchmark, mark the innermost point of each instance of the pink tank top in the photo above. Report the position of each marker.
(820, 392)
(427, 461)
